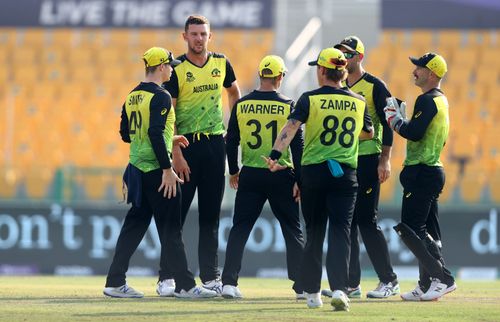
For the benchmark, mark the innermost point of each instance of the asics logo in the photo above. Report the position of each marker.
(368, 191)
(418, 114)
(408, 195)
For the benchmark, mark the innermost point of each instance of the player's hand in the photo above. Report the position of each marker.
(383, 169)
(169, 183)
(180, 140)
(233, 180)
(273, 165)
(393, 113)
(296, 192)
(180, 164)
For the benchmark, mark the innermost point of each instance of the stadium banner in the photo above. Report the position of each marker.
(66, 240)
(441, 14)
(245, 14)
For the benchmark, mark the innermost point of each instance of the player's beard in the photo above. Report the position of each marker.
(194, 48)
(351, 69)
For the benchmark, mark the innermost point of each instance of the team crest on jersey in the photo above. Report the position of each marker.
(215, 72)
(189, 77)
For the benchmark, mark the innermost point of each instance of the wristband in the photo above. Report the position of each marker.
(275, 155)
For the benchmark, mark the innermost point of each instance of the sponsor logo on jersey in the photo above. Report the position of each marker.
(164, 111)
(189, 77)
(418, 114)
(215, 72)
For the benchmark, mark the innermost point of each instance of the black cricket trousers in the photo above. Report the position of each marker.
(168, 222)
(206, 157)
(365, 218)
(327, 199)
(422, 185)
(255, 186)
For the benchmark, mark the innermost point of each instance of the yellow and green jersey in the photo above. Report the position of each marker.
(198, 91)
(255, 122)
(333, 121)
(427, 131)
(147, 123)
(375, 93)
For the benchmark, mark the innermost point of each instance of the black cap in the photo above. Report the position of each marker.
(352, 44)
(433, 61)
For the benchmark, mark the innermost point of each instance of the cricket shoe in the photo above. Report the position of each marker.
(413, 295)
(214, 285)
(231, 292)
(166, 288)
(384, 290)
(313, 300)
(340, 301)
(123, 291)
(196, 292)
(437, 290)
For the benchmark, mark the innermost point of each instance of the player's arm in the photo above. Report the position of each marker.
(380, 95)
(367, 131)
(299, 115)
(231, 85)
(160, 106)
(284, 138)
(297, 148)
(423, 113)
(232, 143)
(179, 162)
(124, 128)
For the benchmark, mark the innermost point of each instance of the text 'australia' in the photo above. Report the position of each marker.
(338, 105)
(204, 88)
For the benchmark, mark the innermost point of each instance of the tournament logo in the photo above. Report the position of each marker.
(189, 77)
(215, 72)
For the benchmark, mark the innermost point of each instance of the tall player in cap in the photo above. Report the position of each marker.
(254, 123)
(335, 119)
(373, 169)
(147, 123)
(423, 176)
(196, 86)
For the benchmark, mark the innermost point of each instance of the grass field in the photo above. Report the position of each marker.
(44, 298)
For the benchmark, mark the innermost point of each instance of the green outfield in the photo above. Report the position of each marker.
(43, 298)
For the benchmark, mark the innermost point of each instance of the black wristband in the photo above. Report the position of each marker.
(275, 155)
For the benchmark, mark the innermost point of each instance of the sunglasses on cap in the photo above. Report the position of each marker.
(350, 55)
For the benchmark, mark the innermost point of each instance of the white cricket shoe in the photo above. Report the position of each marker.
(437, 290)
(123, 291)
(214, 285)
(340, 301)
(384, 290)
(166, 287)
(413, 295)
(313, 300)
(196, 292)
(231, 292)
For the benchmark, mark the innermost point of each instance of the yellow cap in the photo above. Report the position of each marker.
(273, 63)
(433, 61)
(156, 55)
(330, 58)
(352, 44)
